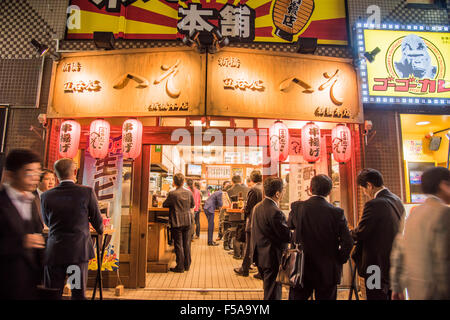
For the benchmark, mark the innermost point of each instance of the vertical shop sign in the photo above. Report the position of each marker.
(105, 177)
(301, 173)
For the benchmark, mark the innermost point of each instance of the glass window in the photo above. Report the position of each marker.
(125, 232)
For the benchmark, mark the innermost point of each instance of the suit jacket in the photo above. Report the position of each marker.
(180, 202)
(233, 192)
(67, 210)
(376, 232)
(325, 237)
(254, 197)
(421, 257)
(19, 267)
(270, 234)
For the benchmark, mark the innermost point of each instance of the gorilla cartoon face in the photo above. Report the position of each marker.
(415, 60)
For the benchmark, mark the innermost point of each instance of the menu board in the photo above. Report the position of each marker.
(218, 172)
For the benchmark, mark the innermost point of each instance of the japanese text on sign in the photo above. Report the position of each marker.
(66, 137)
(230, 83)
(82, 86)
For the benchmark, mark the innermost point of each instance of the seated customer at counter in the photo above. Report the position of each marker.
(180, 203)
(217, 200)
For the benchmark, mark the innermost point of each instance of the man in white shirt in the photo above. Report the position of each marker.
(20, 227)
(420, 258)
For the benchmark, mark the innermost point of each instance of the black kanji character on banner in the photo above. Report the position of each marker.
(237, 23)
(194, 18)
(113, 5)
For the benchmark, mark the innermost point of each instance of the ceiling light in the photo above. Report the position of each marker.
(41, 49)
(422, 123)
(103, 40)
(306, 45)
(370, 56)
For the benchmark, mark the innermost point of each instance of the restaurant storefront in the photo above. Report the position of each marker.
(141, 116)
(404, 76)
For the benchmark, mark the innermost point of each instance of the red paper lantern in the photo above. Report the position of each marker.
(341, 143)
(131, 138)
(69, 139)
(279, 141)
(311, 142)
(99, 139)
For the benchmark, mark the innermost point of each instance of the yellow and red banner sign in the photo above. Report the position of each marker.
(240, 20)
(405, 66)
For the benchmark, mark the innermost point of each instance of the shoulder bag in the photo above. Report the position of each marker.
(292, 263)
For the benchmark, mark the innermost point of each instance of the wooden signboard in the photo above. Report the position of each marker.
(252, 83)
(142, 82)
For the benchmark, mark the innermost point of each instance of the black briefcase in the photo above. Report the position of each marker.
(292, 263)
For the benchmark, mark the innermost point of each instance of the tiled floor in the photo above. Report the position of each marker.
(211, 277)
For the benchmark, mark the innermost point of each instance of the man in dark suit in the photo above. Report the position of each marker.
(375, 234)
(67, 211)
(254, 197)
(181, 204)
(322, 230)
(20, 227)
(270, 235)
(237, 189)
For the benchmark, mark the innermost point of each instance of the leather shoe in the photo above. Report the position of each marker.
(213, 244)
(176, 270)
(258, 276)
(226, 248)
(241, 272)
(237, 257)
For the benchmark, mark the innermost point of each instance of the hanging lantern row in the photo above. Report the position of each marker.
(311, 142)
(279, 141)
(341, 143)
(99, 133)
(340, 140)
(131, 138)
(69, 139)
(99, 138)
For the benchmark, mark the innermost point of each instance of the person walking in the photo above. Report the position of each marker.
(376, 232)
(323, 231)
(180, 203)
(67, 211)
(20, 227)
(198, 202)
(420, 258)
(270, 235)
(216, 201)
(254, 197)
